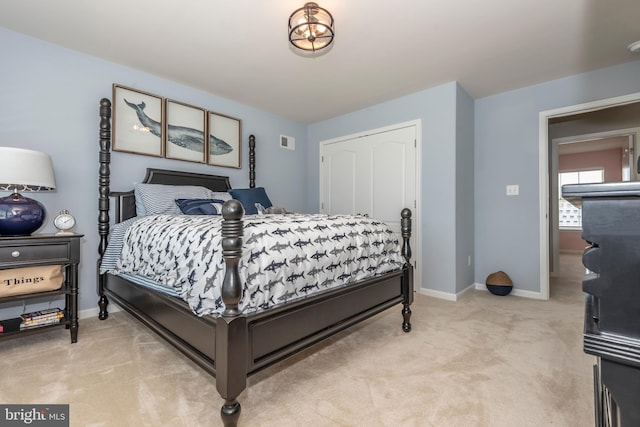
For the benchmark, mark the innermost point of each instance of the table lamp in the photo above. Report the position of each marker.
(21, 171)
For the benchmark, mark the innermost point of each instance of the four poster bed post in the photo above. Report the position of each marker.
(104, 183)
(235, 345)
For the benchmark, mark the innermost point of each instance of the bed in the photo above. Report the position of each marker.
(237, 343)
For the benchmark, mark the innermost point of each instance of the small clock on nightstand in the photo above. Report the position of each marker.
(64, 222)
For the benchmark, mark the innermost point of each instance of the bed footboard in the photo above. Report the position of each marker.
(246, 344)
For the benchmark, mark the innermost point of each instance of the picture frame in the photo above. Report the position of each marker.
(224, 148)
(185, 130)
(137, 122)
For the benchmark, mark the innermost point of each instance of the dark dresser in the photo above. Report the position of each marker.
(611, 225)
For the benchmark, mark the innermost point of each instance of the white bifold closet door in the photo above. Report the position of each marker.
(372, 174)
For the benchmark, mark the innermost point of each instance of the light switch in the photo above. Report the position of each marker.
(513, 190)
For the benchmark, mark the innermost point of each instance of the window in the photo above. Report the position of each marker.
(570, 217)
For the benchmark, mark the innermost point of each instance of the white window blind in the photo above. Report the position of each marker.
(570, 217)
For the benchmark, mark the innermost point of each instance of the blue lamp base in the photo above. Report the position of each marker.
(20, 216)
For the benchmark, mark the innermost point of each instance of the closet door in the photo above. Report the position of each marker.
(373, 175)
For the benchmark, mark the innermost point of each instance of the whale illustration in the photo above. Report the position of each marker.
(185, 137)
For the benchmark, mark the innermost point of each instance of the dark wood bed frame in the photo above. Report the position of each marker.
(235, 345)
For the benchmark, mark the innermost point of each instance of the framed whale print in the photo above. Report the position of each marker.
(185, 128)
(224, 141)
(137, 122)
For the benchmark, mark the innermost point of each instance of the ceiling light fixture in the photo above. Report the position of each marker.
(311, 28)
(635, 47)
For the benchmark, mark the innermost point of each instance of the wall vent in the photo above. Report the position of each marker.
(287, 142)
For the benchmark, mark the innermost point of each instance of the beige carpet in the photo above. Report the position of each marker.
(481, 361)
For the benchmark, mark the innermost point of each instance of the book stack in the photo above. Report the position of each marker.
(46, 317)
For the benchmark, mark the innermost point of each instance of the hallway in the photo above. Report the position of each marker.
(567, 284)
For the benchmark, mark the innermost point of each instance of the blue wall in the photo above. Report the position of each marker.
(49, 101)
(470, 151)
(436, 109)
(506, 152)
(465, 236)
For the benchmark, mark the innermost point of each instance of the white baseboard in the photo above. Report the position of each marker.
(437, 294)
(465, 290)
(444, 295)
(515, 292)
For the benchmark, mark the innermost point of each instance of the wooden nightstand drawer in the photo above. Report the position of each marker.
(12, 256)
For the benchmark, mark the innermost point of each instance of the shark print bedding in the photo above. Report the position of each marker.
(285, 257)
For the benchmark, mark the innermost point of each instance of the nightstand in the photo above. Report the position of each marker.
(45, 249)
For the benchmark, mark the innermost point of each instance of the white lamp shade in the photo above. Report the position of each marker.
(25, 170)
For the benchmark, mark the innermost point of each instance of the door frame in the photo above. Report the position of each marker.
(633, 136)
(416, 219)
(543, 171)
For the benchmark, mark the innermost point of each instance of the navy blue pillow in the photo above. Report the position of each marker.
(249, 197)
(200, 206)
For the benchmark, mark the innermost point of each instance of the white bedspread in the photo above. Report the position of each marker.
(285, 257)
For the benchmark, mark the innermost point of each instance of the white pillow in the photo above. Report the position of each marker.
(161, 199)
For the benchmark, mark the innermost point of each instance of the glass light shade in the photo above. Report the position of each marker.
(26, 171)
(311, 28)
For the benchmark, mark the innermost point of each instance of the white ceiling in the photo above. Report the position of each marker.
(383, 49)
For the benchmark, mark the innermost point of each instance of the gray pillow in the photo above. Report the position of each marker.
(161, 199)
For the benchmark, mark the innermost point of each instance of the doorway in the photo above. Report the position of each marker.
(609, 114)
(607, 156)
